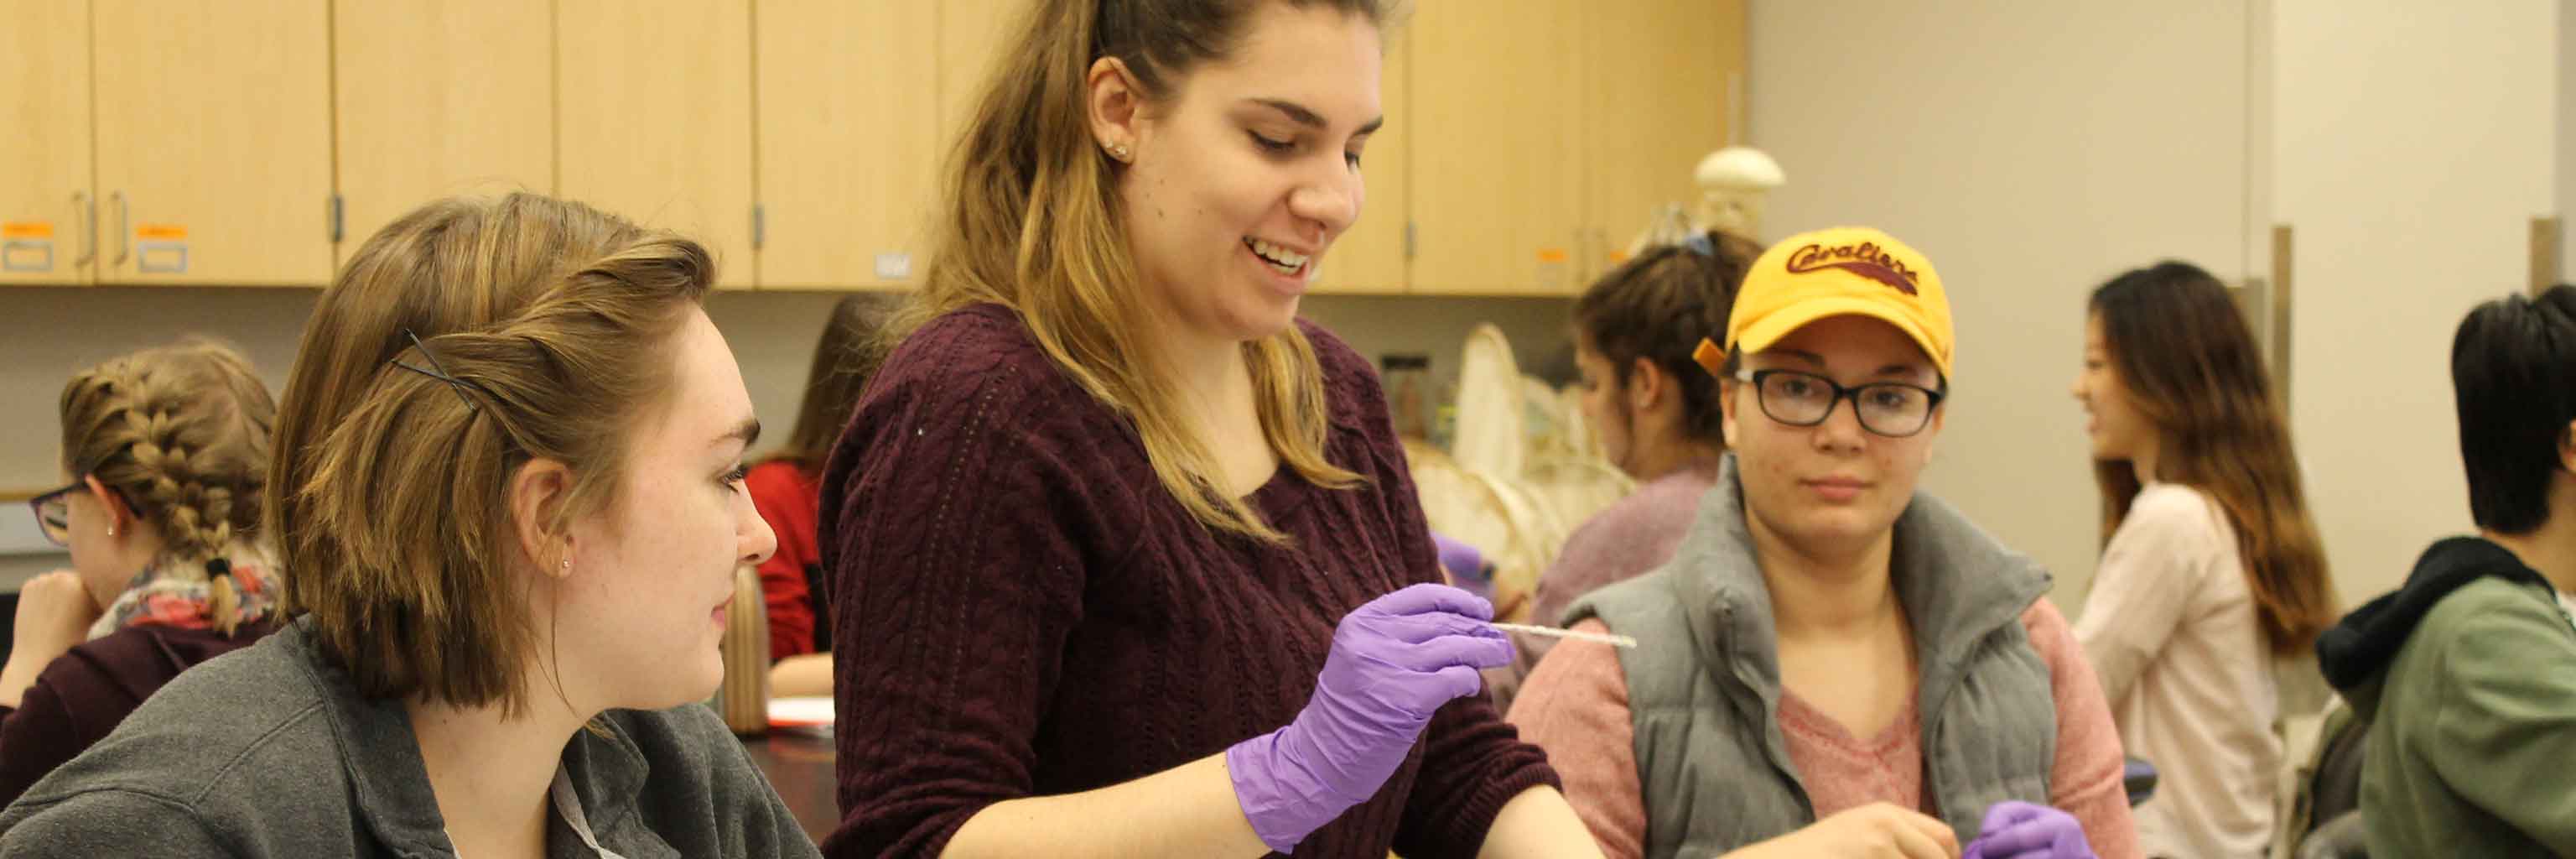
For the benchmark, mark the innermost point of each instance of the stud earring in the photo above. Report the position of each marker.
(1118, 151)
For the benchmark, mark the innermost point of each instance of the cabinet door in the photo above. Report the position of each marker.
(1657, 86)
(214, 141)
(47, 232)
(1369, 257)
(1497, 192)
(971, 36)
(438, 98)
(653, 118)
(849, 125)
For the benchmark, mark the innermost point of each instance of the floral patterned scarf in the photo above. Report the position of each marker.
(177, 594)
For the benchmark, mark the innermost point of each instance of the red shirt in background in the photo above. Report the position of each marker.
(787, 499)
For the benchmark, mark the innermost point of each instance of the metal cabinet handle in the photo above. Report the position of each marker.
(124, 237)
(88, 227)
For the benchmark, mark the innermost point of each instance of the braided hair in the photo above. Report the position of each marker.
(1658, 306)
(181, 433)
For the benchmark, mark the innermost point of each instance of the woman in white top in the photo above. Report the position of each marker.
(2210, 567)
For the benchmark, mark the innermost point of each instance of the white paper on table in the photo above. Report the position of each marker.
(816, 710)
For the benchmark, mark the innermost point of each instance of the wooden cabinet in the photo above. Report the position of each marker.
(213, 141)
(848, 140)
(1497, 193)
(48, 227)
(1559, 126)
(971, 35)
(437, 99)
(1370, 258)
(228, 143)
(1657, 87)
(859, 107)
(653, 118)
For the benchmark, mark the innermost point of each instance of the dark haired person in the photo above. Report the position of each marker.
(1657, 415)
(787, 489)
(2210, 563)
(2467, 673)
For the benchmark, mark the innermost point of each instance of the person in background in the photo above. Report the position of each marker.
(1655, 412)
(508, 479)
(165, 451)
(1832, 657)
(1142, 569)
(2210, 564)
(2467, 672)
(787, 487)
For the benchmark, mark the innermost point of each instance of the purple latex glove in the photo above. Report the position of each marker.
(1394, 662)
(1466, 566)
(2022, 830)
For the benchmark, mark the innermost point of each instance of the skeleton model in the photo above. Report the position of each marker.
(1732, 184)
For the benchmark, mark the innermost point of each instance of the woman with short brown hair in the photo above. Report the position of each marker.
(509, 461)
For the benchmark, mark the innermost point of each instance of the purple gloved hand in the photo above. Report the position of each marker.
(1394, 662)
(2022, 830)
(1466, 565)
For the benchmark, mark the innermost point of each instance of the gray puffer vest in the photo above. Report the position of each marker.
(1704, 689)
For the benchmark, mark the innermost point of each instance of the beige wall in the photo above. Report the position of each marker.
(2031, 150)
(2410, 149)
(45, 334)
(2565, 125)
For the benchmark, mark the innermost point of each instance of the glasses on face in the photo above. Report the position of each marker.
(1802, 399)
(54, 513)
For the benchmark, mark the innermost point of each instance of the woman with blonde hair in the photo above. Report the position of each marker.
(165, 450)
(2210, 568)
(509, 479)
(1141, 569)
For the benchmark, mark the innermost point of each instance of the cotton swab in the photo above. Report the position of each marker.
(1553, 632)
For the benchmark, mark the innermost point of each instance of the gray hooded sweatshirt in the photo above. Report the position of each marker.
(270, 751)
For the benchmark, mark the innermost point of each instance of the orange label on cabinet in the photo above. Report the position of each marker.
(26, 230)
(160, 231)
(1551, 255)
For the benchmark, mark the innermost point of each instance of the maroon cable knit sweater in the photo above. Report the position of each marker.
(1028, 613)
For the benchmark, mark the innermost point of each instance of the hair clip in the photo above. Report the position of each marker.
(1698, 243)
(438, 371)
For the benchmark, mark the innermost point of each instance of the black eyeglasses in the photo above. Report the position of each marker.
(1802, 399)
(54, 513)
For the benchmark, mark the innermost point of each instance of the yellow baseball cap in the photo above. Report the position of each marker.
(1843, 271)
